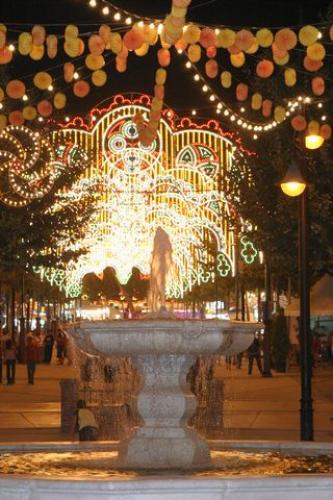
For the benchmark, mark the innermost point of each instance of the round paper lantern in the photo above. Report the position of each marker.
(6, 55)
(281, 61)
(285, 39)
(181, 44)
(192, 34)
(265, 68)
(24, 43)
(207, 38)
(71, 31)
(308, 35)
(244, 39)
(316, 51)
(69, 70)
(2, 39)
(298, 123)
(73, 47)
(265, 37)
(326, 131)
(194, 53)
(3, 121)
(267, 108)
(149, 34)
(133, 39)
(160, 76)
(290, 77)
(45, 108)
(254, 47)
(96, 45)
(94, 62)
(38, 35)
(81, 88)
(123, 54)
(163, 56)
(99, 78)
(2, 94)
(143, 50)
(159, 91)
(29, 113)
(242, 92)
(15, 89)
(226, 79)
(121, 64)
(212, 68)
(52, 46)
(234, 50)
(42, 80)
(318, 85)
(225, 38)
(313, 127)
(37, 52)
(104, 32)
(237, 60)
(211, 52)
(115, 43)
(311, 65)
(59, 100)
(16, 118)
(279, 114)
(277, 51)
(256, 101)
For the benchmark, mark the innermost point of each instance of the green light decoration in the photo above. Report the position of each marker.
(248, 251)
(223, 265)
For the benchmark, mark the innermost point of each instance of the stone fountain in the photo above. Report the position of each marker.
(163, 349)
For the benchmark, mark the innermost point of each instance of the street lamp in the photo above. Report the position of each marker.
(294, 185)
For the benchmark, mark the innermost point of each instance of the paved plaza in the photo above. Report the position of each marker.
(254, 407)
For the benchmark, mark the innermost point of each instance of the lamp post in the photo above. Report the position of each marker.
(294, 185)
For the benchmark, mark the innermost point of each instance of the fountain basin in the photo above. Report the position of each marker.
(163, 351)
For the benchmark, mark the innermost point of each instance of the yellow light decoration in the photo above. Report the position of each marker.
(59, 100)
(293, 183)
(308, 35)
(99, 78)
(42, 80)
(313, 141)
(37, 52)
(265, 37)
(225, 38)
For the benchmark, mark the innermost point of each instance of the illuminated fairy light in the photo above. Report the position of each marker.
(106, 10)
(92, 3)
(117, 16)
(76, 75)
(142, 188)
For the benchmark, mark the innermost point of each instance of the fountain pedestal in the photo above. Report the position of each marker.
(163, 351)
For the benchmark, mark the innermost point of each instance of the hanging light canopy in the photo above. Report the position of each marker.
(293, 183)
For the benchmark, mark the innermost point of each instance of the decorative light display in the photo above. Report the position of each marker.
(177, 182)
(248, 251)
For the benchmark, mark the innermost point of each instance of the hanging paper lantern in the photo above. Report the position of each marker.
(37, 52)
(192, 34)
(181, 44)
(212, 68)
(254, 47)
(178, 11)
(244, 39)
(256, 101)
(194, 53)
(121, 64)
(211, 52)
(290, 77)
(38, 35)
(234, 50)
(298, 123)
(226, 79)
(159, 91)
(81, 88)
(59, 100)
(160, 76)
(265, 68)
(237, 60)
(311, 65)
(96, 45)
(71, 31)
(207, 38)
(69, 71)
(265, 37)
(2, 94)
(15, 89)
(285, 39)
(104, 32)
(276, 51)
(24, 43)
(318, 85)
(123, 54)
(29, 113)
(45, 108)
(16, 118)
(279, 114)
(225, 38)
(99, 78)
(164, 58)
(3, 38)
(267, 108)
(281, 61)
(313, 127)
(156, 104)
(115, 43)
(242, 92)
(3, 121)
(94, 62)
(316, 51)
(166, 44)
(143, 50)
(149, 33)
(308, 35)
(6, 55)
(42, 80)
(326, 131)
(52, 46)
(74, 47)
(133, 39)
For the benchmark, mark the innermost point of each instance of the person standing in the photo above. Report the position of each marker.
(32, 355)
(48, 347)
(10, 359)
(254, 354)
